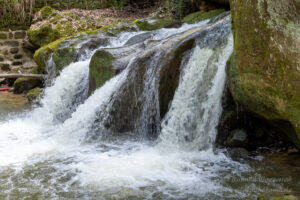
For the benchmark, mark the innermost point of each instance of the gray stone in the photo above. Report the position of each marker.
(20, 35)
(14, 50)
(11, 43)
(139, 38)
(237, 138)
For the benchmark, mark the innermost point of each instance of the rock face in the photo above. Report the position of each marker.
(264, 71)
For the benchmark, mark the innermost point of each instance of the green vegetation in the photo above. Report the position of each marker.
(46, 12)
(199, 16)
(152, 24)
(43, 35)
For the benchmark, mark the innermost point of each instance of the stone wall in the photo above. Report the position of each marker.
(14, 57)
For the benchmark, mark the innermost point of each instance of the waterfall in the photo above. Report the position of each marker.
(196, 107)
(75, 146)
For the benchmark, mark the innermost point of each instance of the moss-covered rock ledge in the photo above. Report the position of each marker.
(264, 71)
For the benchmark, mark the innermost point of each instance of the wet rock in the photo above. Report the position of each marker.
(139, 38)
(238, 153)
(100, 69)
(264, 70)
(33, 94)
(237, 138)
(24, 84)
(152, 78)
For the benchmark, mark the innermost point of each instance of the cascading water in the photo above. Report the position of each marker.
(56, 150)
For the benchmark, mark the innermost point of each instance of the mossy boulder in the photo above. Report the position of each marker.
(43, 35)
(42, 55)
(22, 85)
(100, 69)
(264, 71)
(199, 16)
(118, 27)
(33, 94)
(67, 50)
(51, 25)
(152, 24)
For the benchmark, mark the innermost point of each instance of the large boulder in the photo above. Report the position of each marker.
(107, 62)
(152, 76)
(50, 25)
(264, 71)
(67, 50)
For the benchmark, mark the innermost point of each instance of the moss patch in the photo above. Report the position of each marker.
(33, 94)
(263, 71)
(46, 12)
(152, 24)
(100, 69)
(22, 85)
(199, 16)
(43, 35)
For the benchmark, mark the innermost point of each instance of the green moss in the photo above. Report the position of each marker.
(43, 35)
(24, 84)
(261, 78)
(33, 94)
(100, 69)
(63, 57)
(146, 25)
(199, 16)
(42, 55)
(269, 197)
(46, 12)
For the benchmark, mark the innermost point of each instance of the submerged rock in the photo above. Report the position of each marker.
(238, 153)
(237, 138)
(33, 94)
(264, 71)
